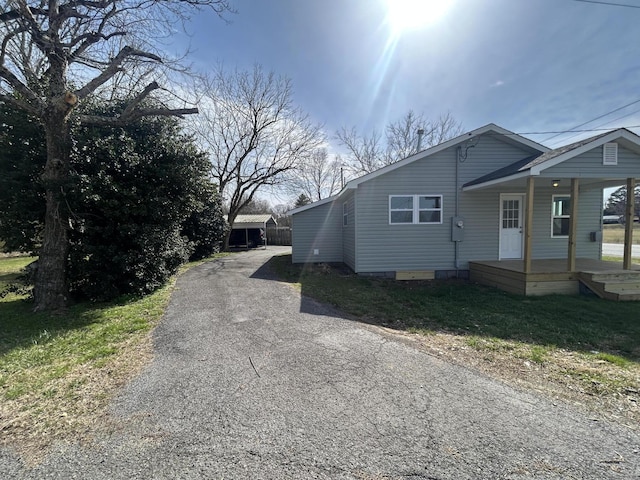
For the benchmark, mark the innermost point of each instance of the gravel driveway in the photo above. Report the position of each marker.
(251, 381)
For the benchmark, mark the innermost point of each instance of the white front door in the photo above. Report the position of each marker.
(511, 224)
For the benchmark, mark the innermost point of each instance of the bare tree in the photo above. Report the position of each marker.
(255, 206)
(253, 131)
(56, 54)
(318, 177)
(367, 153)
(280, 214)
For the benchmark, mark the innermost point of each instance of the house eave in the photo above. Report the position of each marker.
(316, 204)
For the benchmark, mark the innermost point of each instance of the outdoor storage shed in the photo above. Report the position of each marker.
(249, 231)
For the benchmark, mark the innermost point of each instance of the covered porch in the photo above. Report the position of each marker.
(531, 275)
(573, 171)
(547, 276)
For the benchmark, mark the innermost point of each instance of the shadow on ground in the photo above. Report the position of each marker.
(572, 322)
(21, 327)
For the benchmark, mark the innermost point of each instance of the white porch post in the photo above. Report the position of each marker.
(628, 223)
(573, 225)
(528, 225)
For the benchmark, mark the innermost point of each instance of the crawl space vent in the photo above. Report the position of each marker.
(610, 154)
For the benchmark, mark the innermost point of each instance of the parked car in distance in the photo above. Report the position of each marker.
(612, 219)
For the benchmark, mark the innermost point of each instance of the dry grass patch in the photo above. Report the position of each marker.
(615, 234)
(606, 388)
(59, 372)
(72, 406)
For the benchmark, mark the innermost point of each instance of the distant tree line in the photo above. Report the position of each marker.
(617, 201)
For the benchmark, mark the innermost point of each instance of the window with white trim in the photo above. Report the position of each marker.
(415, 209)
(345, 214)
(560, 215)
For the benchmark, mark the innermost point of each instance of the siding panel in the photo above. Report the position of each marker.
(589, 220)
(383, 247)
(589, 165)
(349, 234)
(318, 228)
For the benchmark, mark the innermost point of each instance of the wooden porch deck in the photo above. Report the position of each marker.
(606, 279)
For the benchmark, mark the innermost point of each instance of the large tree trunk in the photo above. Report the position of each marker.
(51, 290)
(231, 217)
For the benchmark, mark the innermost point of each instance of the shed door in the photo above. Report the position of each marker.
(511, 226)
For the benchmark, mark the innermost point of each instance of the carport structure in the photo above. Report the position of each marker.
(250, 231)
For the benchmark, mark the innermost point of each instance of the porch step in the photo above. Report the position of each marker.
(620, 286)
(613, 276)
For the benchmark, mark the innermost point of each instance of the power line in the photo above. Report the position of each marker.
(574, 131)
(611, 4)
(592, 120)
(595, 127)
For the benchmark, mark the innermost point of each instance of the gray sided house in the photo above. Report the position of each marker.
(490, 204)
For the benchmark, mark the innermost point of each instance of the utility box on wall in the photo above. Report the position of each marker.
(595, 236)
(457, 229)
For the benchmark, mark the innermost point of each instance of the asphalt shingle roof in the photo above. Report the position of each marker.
(530, 162)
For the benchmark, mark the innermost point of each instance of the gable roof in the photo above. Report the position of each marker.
(509, 136)
(490, 128)
(535, 164)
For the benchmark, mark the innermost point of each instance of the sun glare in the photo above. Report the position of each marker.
(404, 15)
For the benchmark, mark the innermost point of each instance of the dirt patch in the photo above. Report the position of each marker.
(563, 376)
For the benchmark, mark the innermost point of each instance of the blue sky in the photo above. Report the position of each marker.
(527, 65)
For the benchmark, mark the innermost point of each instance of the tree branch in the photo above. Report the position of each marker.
(139, 98)
(19, 104)
(20, 87)
(113, 68)
(119, 121)
(15, 14)
(6, 40)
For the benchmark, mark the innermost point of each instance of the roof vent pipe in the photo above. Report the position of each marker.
(420, 135)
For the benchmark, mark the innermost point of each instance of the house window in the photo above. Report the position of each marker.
(560, 215)
(345, 214)
(401, 209)
(413, 209)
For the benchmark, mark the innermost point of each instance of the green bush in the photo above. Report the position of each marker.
(141, 203)
(206, 228)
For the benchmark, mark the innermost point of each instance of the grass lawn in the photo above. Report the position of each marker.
(58, 372)
(566, 345)
(610, 258)
(615, 234)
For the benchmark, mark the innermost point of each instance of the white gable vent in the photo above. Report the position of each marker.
(610, 154)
